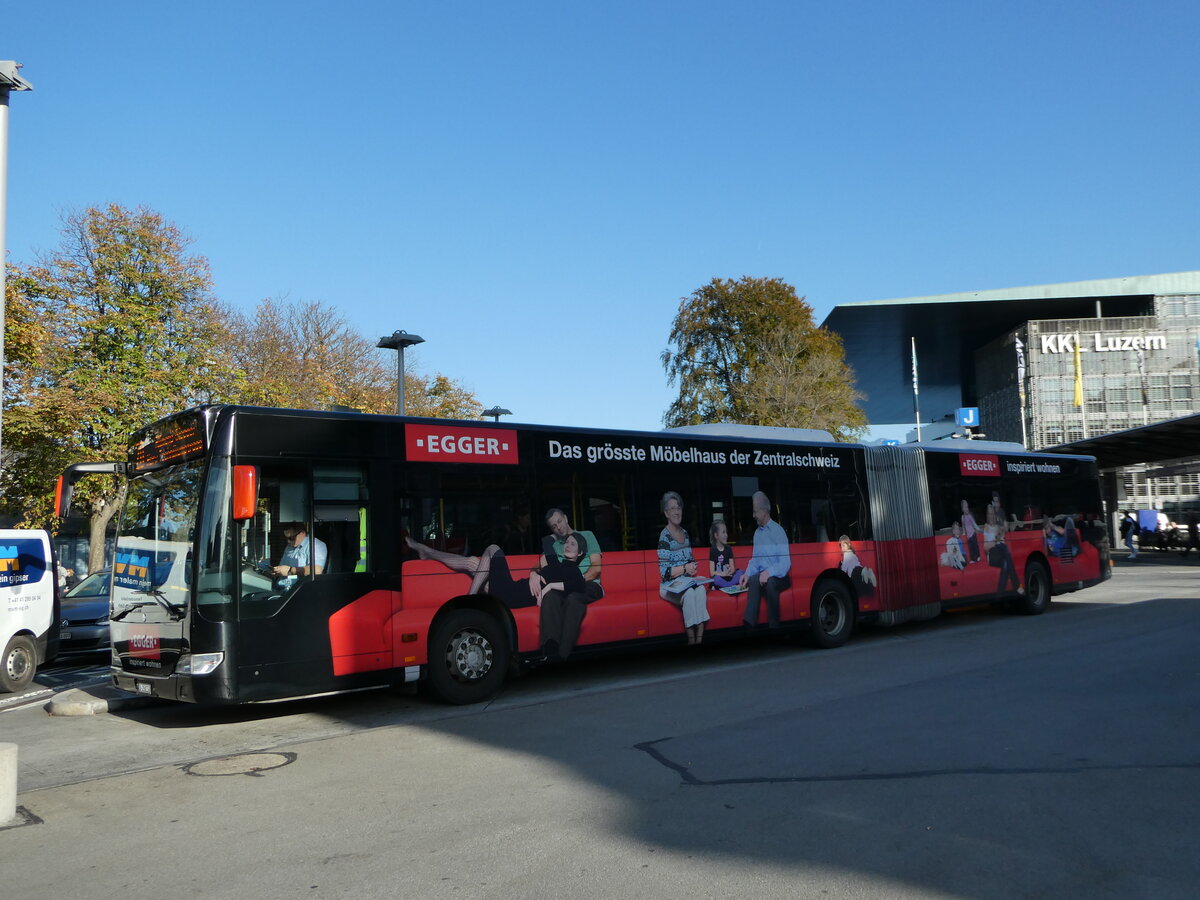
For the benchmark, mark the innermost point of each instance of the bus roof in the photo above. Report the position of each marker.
(715, 430)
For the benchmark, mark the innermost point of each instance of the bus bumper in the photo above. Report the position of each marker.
(173, 687)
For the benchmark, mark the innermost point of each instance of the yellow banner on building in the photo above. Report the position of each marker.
(1078, 375)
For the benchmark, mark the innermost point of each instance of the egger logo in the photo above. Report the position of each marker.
(448, 443)
(144, 644)
(977, 464)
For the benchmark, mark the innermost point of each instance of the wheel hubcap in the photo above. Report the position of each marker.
(469, 656)
(18, 664)
(831, 614)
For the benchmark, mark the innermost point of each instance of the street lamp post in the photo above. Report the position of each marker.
(397, 341)
(9, 81)
(496, 412)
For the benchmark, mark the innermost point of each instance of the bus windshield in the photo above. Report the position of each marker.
(154, 539)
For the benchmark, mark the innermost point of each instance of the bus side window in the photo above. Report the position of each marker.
(341, 515)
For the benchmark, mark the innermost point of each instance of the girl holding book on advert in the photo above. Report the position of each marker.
(720, 558)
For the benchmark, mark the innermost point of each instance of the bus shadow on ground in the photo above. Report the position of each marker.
(992, 763)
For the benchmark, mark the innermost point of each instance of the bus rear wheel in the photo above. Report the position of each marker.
(18, 665)
(468, 657)
(832, 620)
(1037, 590)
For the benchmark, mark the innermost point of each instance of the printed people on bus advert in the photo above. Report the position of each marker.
(561, 592)
(552, 546)
(860, 576)
(564, 606)
(766, 574)
(679, 581)
(1062, 539)
(998, 507)
(489, 572)
(970, 533)
(999, 554)
(954, 557)
(721, 566)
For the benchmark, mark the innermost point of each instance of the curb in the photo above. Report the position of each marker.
(93, 701)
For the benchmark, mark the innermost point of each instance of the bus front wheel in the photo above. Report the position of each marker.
(468, 657)
(18, 665)
(832, 614)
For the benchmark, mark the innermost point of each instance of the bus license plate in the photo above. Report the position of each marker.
(64, 635)
(143, 688)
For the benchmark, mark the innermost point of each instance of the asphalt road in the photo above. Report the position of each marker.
(981, 755)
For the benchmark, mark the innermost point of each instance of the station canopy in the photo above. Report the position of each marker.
(1174, 441)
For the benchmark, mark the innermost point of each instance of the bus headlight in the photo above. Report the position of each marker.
(199, 663)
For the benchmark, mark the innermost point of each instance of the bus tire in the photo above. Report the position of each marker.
(832, 614)
(1037, 590)
(19, 664)
(468, 657)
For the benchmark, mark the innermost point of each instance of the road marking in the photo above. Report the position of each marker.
(8, 704)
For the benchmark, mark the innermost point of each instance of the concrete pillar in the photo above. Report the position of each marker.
(8, 784)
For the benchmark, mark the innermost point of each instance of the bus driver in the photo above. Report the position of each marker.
(303, 555)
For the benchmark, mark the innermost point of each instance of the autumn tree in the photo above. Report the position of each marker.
(439, 396)
(810, 388)
(750, 351)
(305, 355)
(116, 329)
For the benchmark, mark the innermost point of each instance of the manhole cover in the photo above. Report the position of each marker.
(241, 764)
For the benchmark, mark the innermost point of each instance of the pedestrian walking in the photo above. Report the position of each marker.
(1128, 530)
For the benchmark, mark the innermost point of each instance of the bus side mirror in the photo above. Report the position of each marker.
(245, 492)
(62, 497)
(66, 481)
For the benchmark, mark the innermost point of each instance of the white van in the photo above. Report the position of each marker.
(29, 618)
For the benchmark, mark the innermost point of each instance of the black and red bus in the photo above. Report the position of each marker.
(208, 606)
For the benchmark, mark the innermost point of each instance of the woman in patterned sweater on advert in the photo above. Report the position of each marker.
(675, 561)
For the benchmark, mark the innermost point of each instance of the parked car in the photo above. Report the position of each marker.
(85, 615)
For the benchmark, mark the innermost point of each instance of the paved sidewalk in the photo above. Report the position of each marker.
(1154, 557)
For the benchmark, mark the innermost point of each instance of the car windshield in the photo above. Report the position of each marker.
(95, 585)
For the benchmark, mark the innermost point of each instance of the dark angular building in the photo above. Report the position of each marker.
(1138, 354)
(1045, 365)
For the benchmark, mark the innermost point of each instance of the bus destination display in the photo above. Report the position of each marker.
(172, 441)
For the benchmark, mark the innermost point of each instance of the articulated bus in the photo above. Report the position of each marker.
(264, 554)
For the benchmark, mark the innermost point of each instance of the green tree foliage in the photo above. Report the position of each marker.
(119, 328)
(749, 351)
(114, 329)
(304, 355)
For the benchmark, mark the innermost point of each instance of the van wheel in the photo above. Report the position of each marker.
(468, 657)
(832, 614)
(1037, 590)
(19, 664)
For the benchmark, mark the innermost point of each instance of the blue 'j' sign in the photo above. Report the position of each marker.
(967, 416)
